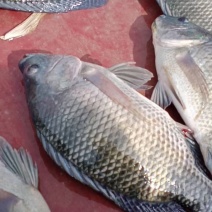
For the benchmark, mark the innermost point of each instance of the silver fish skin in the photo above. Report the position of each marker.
(184, 63)
(108, 136)
(197, 11)
(19, 181)
(50, 6)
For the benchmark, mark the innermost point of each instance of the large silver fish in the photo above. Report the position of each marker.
(19, 181)
(50, 6)
(184, 66)
(196, 11)
(108, 136)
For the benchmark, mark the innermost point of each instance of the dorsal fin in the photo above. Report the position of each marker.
(134, 76)
(19, 162)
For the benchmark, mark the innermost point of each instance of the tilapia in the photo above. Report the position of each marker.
(101, 131)
(196, 11)
(184, 67)
(42, 6)
(19, 181)
(50, 6)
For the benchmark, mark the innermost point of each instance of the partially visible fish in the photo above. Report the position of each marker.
(196, 11)
(42, 6)
(184, 66)
(50, 6)
(19, 181)
(106, 135)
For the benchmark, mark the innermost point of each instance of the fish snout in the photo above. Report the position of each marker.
(27, 65)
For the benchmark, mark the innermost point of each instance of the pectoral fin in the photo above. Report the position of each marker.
(195, 76)
(134, 76)
(160, 96)
(19, 162)
(104, 84)
(24, 28)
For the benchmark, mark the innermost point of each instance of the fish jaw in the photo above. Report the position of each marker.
(178, 32)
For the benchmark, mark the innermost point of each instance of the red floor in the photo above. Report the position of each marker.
(116, 33)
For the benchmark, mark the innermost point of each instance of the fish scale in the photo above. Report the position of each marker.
(122, 178)
(183, 62)
(196, 11)
(202, 55)
(142, 157)
(52, 6)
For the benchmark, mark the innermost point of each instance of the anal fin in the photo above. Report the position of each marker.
(197, 154)
(122, 201)
(208, 160)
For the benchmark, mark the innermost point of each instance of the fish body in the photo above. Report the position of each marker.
(50, 6)
(19, 181)
(108, 136)
(196, 11)
(184, 63)
(39, 9)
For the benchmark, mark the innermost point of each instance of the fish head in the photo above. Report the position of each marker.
(49, 73)
(177, 32)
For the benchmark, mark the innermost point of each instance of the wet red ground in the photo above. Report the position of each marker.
(116, 33)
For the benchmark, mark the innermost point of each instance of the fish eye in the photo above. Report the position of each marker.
(182, 19)
(32, 69)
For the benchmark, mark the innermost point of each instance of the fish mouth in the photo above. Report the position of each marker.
(23, 61)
